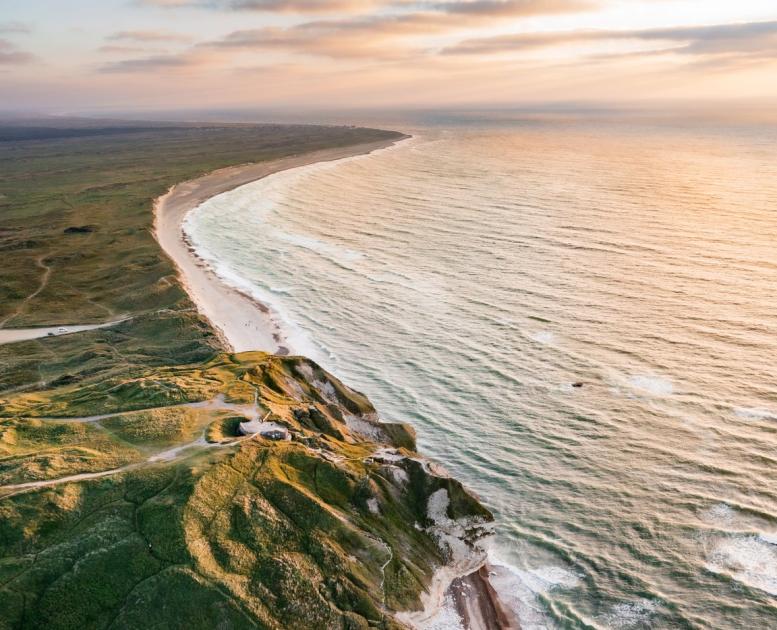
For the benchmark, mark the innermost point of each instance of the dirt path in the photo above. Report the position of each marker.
(252, 412)
(44, 281)
(32, 485)
(167, 455)
(15, 335)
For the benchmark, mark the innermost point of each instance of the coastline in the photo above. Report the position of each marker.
(241, 322)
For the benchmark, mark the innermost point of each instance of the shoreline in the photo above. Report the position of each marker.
(485, 610)
(242, 323)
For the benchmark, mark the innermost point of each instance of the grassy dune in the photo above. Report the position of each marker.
(322, 530)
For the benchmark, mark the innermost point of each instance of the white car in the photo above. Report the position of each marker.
(61, 330)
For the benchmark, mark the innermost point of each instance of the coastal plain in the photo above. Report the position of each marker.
(129, 496)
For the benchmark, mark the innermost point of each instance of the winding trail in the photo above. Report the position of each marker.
(217, 404)
(18, 488)
(43, 282)
(168, 455)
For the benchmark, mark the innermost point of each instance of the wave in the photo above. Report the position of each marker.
(636, 614)
(651, 385)
(750, 560)
(545, 337)
(297, 340)
(335, 253)
(523, 589)
(755, 413)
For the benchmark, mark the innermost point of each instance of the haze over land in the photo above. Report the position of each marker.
(121, 55)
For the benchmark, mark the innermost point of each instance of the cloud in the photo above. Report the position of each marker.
(385, 35)
(14, 27)
(149, 64)
(10, 55)
(379, 35)
(148, 36)
(751, 39)
(278, 6)
(503, 8)
(302, 6)
(512, 8)
(112, 49)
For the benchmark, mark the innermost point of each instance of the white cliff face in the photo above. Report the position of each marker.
(463, 542)
(459, 539)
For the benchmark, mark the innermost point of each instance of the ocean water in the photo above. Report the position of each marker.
(466, 279)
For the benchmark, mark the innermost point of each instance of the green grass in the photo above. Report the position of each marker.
(159, 427)
(263, 534)
(32, 450)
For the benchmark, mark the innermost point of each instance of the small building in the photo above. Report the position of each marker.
(267, 430)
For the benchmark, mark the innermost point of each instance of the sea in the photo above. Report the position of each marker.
(579, 317)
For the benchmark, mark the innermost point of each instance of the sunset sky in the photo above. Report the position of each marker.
(126, 54)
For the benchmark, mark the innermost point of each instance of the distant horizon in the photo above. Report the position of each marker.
(163, 55)
(735, 112)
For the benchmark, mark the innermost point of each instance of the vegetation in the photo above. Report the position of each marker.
(323, 530)
(77, 244)
(128, 496)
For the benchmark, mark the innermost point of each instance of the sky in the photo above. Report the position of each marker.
(62, 55)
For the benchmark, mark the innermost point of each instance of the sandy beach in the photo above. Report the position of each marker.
(478, 604)
(244, 324)
(241, 322)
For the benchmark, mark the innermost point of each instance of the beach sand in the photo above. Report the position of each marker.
(241, 322)
(478, 604)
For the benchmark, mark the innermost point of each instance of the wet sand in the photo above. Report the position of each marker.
(241, 322)
(478, 604)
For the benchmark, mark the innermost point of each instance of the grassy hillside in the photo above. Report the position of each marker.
(76, 241)
(336, 528)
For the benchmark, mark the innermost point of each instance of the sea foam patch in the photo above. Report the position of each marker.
(331, 251)
(446, 618)
(630, 614)
(770, 538)
(651, 385)
(755, 413)
(719, 514)
(519, 589)
(544, 337)
(749, 560)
